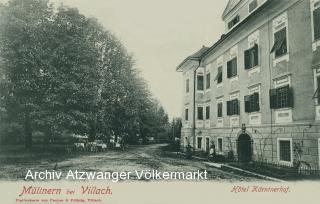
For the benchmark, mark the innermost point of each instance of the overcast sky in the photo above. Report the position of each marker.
(160, 34)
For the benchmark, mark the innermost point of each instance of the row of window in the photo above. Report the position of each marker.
(251, 56)
(281, 97)
(284, 147)
(251, 7)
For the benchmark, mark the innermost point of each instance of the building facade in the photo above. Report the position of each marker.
(254, 93)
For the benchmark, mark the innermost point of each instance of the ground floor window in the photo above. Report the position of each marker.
(207, 144)
(284, 150)
(219, 144)
(199, 142)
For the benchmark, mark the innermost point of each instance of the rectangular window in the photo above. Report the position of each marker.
(207, 112)
(187, 86)
(281, 97)
(208, 81)
(233, 107)
(232, 68)
(252, 5)
(199, 142)
(220, 145)
(200, 113)
(251, 57)
(186, 114)
(284, 150)
(219, 111)
(280, 43)
(318, 89)
(234, 21)
(219, 75)
(316, 23)
(251, 103)
(200, 86)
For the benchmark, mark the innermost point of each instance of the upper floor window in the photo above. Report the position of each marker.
(253, 5)
(316, 20)
(280, 27)
(187, 86)
(317, 94)
(281, 97)
(234, 21)
(233, 107)
(219, 75)
(200, 113)
(251, 103)
(208, 80)
(280, 43)
(207, 112)
(200, 85)
(232, 68)
(251, 57)
(186, 114)
(219, 110)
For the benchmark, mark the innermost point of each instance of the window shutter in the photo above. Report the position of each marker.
(237, 102)
(229, 103)
(290, 97)
(256, 101)
(247, 104)
(273, 98)
(247, 59)
(256, 55)
(234, 67)
(229, 67)
(318, 91)
(316, 23)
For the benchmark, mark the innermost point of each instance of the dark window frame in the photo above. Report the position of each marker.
(233, 107)
(200, 113)
(285, 150)
(280, 47)
(251, 57)
(187, 85)
(252, 103)
(220, 144)
(233, 22)
(253, 5)
(199, 142)
(200, 82)
(281, 97)
(232, 68)
(219, 110)
(316, 23)
(186, 114)
(220, 75)
(208, 82)
(207, 112)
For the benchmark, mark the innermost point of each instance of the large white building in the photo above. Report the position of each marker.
(254, 92)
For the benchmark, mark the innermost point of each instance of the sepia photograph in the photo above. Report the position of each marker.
(181, 97)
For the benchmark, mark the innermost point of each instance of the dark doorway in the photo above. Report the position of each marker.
(244, 148)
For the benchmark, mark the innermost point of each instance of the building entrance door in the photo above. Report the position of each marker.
(244, 148)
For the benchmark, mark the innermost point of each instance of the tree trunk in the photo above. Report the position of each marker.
(28, 132)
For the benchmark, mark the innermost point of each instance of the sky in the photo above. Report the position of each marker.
(160, 34)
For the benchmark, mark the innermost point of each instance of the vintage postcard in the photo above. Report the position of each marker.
(159, 101)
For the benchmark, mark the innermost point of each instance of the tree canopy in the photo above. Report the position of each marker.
(62, 72)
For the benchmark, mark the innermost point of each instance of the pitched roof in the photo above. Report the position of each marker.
(195, 56)
(230, 6)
